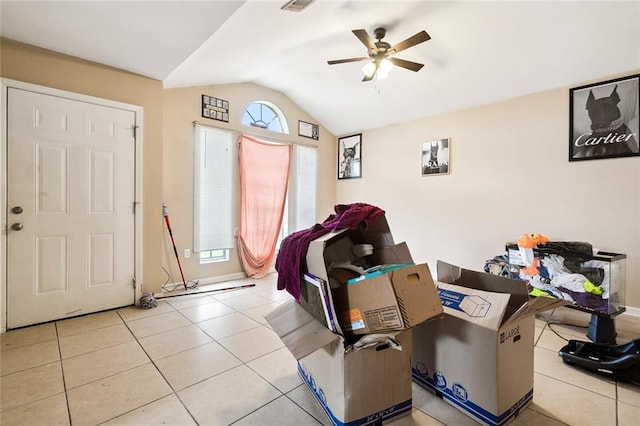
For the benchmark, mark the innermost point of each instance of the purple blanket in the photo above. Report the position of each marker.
(293, 249)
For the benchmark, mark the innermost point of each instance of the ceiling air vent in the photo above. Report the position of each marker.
(296, 5)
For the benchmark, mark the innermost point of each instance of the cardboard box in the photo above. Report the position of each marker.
(397, 300)
(354, 387)
(337, 247)
(479, 356)
(379, 304)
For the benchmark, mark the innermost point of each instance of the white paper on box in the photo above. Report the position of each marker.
(480, 307)
(515, 257)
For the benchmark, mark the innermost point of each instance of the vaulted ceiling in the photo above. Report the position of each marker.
(480, 52)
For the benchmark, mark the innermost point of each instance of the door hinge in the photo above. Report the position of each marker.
(135, 205)
(133, 281)
(135, 131)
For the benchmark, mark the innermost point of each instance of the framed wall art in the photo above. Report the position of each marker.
(604, 119)
(308, 130)
(435, 157)
(350, 157)
(214, 108)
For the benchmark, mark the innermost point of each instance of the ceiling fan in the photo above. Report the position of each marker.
(381, 58)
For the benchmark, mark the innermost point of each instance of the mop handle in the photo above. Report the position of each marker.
(235, 287)
(165, 213)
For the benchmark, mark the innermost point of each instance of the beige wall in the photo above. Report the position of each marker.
(509, 170)
(181, 109)
(510, 175)
(42, 67)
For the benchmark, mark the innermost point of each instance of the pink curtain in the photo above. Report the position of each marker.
(264, 176)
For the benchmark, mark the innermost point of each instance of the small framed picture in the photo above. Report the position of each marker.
(307, 130)
(350, 157)
(435, 157)
(215, 109)
(604, 119)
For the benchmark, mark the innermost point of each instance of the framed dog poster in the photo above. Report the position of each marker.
(435, 157)
(604, 119)
(350, 157)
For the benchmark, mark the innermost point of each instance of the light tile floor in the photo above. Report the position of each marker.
(211, 359)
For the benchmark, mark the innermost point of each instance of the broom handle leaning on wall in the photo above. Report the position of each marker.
(165, 213)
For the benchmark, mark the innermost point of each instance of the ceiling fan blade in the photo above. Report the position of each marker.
(418, 38)
(364, 37)
(413, 66)
(342, 61)
(368, 77)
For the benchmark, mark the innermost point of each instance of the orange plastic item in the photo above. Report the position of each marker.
(528, 242)
(531, 240)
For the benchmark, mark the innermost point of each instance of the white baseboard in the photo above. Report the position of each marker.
(203, 281)
(222, 278)
(631, 311)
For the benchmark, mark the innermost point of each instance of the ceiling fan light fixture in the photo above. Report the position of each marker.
(369, 69)
(381, 75)
(385, 65)
(379, 69)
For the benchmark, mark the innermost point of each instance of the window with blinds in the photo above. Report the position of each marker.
(302, 188)
(215, 190)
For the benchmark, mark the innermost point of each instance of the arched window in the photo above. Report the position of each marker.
(265, 115)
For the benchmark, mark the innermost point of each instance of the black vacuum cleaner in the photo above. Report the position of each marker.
(620, 362)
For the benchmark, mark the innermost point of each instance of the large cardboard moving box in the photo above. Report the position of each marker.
(366, 386)
(479, 357)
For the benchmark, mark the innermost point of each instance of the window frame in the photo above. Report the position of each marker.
(278, 116)
(222, 257)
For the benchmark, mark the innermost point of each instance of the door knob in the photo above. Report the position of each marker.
(17, 227)
(16, 210)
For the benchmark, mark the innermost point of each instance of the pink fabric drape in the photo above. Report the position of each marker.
(264, 176)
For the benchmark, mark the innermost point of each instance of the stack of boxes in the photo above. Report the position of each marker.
(354, 353)
(469, 338)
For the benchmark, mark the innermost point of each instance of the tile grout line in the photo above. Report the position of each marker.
(64, 382)
(617, 405)
(301, 407)
(152, 361)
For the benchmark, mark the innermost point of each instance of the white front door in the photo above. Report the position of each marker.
(70, 207)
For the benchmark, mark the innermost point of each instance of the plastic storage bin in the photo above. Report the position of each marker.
(562, 274)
